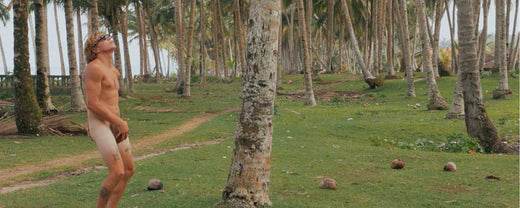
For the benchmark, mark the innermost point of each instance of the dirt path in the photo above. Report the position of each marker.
(147, 142)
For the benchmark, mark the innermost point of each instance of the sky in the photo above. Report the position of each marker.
(6, 34)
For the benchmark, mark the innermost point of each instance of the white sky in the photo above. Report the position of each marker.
(6, 34)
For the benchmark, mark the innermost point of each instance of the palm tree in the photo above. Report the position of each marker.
(500, 52)
(94, 22)
(27, 114)
(370, 79)
(180, 38)
(4, 16)
(435, 100)
(405, 45)
(202, 44)
(330, 36)
(390, 41)
(248, 179)
(77, 102)
(309, 93)
(154, 41)
(239, 36)
(439, 12)
(481, 53)
(62, 59)
(124, 33)
(511, 54)
(187, 79)
(42, 59)
(478, 123)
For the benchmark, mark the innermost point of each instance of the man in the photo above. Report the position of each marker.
(100, 81)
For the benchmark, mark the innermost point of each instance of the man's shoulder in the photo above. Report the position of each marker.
(94, 69)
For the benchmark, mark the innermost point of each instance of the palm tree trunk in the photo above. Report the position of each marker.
(222, 41)
(380, 26)
(187, 75)
(31, 32)
(502, 90)
(179, 20)
(155, 45)
(77, 102)
(292, 53)
(3, 57)
(481, 53)
(439, 12)
(203, 44)
(241, 47)
(390, 41)
(43, 93)
(59, 39)
(248, 179)
(309, 93)
(370, 79)
(27, 114)
(478, 123)
(405, 45)
(82, 61)
(216, 47)
(95, 16)
(340, 50)
(124, 32)
(280, 52)
(330, 34)
(308, 25)
(435, 100)
(454, 62)
(511, 53)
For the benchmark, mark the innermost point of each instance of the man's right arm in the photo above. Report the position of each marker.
(93, 77)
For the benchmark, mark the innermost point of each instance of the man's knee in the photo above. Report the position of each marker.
(116, 175)
(129, 171)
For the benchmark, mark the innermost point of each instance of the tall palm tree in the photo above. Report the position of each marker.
(309, 93)
(124, 33)
(511, 54)
(62, 59)
(405, 45)
(4, 16)
(82, 61)
(390, 41)
(77, 102)
(94, 22)
(330, 35)
(439, 13)
(435, 100)
(481, 53)
(370, 79)
(203, 43)
(500, 52)
(42, 58)
(154, 41)
(478, 123)
(239, 36)
(187, 76)
(180, 38)
(27, 113)
(248, 179)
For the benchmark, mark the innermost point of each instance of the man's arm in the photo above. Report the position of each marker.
(93, 77)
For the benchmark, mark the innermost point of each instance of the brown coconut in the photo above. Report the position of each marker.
(155, 184)
(450, 167)
(328, 183)
(397, 164)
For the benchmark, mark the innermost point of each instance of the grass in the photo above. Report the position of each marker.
(332, 140)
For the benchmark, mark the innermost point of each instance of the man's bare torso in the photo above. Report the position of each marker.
(109, 95)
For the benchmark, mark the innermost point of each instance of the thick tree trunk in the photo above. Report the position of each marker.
(435, 100)
(62, 61)
(478, 123)
(330, 34)
(77, 102)
(367, 75)
(3, 57)
(43, 93)
(502, 90)
(309, 93)
(248, 179)
(457, 103)
(405, 45)
(82, 61)
(439, 13)
(203, 44)
(126, 51)
(481, 54)
(179, 20)
(390, 73)
(27, 114)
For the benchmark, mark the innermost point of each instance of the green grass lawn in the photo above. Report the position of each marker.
(333, 139)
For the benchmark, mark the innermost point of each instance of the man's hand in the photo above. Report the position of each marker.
(122, 129)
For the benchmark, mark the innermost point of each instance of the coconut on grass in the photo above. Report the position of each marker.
(397, 164)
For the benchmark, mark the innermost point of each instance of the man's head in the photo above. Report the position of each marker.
(98, 43)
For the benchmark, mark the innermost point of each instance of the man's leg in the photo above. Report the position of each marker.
(128, 162)
(112, 158)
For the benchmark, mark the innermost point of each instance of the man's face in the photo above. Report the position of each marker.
(105, 43)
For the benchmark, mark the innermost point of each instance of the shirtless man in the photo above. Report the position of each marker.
(100, 81)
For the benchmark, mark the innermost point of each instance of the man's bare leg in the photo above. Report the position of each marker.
(115, 174)
(128, 162)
